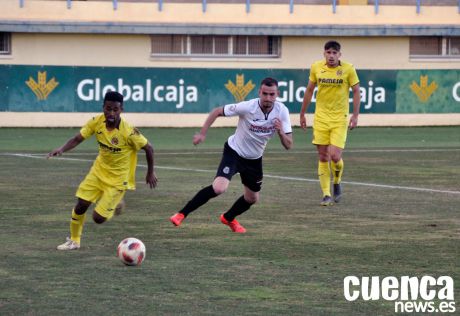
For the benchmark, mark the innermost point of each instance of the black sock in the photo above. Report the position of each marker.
(203, 196)
(239, 207)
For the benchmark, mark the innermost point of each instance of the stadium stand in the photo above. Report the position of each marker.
(381, 37)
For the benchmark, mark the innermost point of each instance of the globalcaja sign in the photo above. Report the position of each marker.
(177, 90)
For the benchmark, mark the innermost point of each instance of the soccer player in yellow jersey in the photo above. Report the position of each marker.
(113, 171)
(334, 79)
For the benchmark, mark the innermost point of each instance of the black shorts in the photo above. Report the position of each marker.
(250, 169)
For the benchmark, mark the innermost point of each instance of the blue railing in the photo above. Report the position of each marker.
(418, 5)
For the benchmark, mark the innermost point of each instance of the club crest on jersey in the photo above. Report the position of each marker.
(114, 141)
(339, 72)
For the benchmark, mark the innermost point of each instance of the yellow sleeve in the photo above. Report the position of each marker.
(89, 128)
(312, 73)
(136, 139)
(353, 77)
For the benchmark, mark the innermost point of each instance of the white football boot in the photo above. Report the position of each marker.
(69, 245)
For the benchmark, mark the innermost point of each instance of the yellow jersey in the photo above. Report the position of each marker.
(117, 159)
(332, 98)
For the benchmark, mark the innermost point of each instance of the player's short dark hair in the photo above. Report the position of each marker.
(269, 82)
(332, 44)
(113, 96)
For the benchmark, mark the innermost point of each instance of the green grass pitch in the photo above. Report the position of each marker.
(399, 216)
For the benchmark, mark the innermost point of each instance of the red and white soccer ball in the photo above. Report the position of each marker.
(131, 251)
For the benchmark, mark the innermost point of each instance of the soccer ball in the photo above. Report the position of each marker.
(131, 251)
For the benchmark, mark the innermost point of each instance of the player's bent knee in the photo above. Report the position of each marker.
(251, 198)
(98, 219)
(220, 185)
(81, 207)
(219, 190)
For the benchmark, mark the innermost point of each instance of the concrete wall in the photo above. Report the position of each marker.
(133, 50)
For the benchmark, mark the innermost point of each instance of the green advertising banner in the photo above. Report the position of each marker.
(428, 91)
(198, 90)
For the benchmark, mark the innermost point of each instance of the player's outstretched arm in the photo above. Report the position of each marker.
(150, 178)
(201, 136)
(70, 144)
(305, 103)
(356, 103)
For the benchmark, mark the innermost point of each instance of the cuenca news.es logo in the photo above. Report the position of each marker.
(410, 294)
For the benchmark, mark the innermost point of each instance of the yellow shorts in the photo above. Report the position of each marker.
(106, 196)
(330, 133)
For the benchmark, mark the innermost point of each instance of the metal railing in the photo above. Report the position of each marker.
(334, 4)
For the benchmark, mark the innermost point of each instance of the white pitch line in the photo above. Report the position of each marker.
(369, 185)
(401, 150)
(265, 175)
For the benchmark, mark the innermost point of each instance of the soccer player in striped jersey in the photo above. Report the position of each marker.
(259, 120)
(114, 169)
(334, 79)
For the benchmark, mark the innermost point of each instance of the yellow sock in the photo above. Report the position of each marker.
(337, 170)
(76, 226)
(324, 174)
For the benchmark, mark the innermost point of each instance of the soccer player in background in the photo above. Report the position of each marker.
(334, 79)
(259, 120)
(114, 169)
